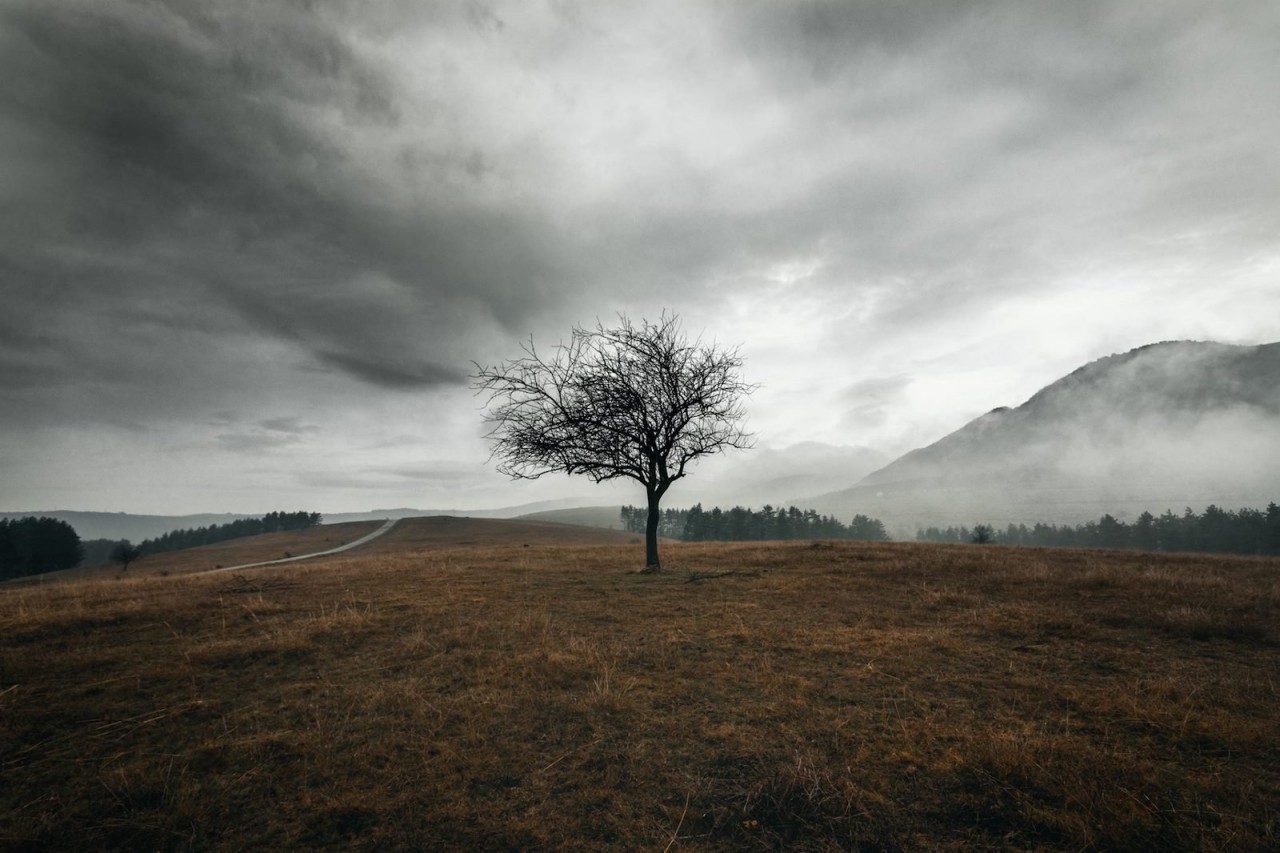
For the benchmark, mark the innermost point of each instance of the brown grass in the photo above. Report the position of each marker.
(233, 552)
(436, 532)
(822, 697)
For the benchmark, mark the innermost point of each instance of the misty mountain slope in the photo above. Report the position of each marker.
(775, 475)
(1167, 425)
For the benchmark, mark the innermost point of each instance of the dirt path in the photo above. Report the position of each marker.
(390, 523)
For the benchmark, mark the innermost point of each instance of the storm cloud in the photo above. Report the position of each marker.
(906, 213)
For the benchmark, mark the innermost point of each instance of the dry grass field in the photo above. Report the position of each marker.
(233, 552)
(532, 695)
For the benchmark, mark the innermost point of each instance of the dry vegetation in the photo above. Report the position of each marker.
(798, 696)
(233, 552)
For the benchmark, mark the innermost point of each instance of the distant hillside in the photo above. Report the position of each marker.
(119, 525)
(136, 528)
(605, 517)
(410, 536)
(443, 532)
(1163, 426)
(502, 512)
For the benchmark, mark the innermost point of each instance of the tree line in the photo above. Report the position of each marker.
(124, 552)
(1216, 530)
(741, 524)
(272, 522)
(30, 546)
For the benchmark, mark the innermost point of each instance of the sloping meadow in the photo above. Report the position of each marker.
(753, 696)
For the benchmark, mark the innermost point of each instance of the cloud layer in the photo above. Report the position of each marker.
(219, 217)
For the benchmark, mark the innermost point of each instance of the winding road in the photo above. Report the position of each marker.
(390, 523)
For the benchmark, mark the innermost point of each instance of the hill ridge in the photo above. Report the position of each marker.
(1170, 424)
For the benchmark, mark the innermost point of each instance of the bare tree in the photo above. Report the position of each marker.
(124, 553)
(642, 402)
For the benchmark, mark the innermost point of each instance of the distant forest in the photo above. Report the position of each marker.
(742, 524)
(30, 546)
(1216, 530)
(272, 522)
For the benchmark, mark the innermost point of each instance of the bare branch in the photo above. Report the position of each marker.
(636, 401)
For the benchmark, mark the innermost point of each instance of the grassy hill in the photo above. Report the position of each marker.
(608, 517)
(410, 534)
(476, 686)
(232, 552)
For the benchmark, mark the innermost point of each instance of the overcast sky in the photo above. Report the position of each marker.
(249, 251)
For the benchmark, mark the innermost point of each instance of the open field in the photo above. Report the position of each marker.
(443, 531)
(533, 696)
(232, 552)
(410, 534)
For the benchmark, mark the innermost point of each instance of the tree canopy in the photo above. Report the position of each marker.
(272, 522)
(1216, 530)
(642, 402)
(696, 524)
(124, 553)
(33, 545)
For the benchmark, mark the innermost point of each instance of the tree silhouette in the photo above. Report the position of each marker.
(642, 402)
(124, 553)
(33, 545)
(983, 534)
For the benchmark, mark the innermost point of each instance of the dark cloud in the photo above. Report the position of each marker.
(431, 473)
(269, 435)
(164, 113)
(259, 209)
(255, 442)
(290, 425)
(447, 475)
(200, 169)
(400, 377)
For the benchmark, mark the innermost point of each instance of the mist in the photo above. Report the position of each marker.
(1161, 427)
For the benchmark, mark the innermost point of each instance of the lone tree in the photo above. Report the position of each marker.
(642, 402)
(124, 553)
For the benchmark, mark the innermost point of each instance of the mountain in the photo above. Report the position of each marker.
(775, 475)
(1164, 426)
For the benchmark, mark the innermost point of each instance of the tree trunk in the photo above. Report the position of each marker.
(651, 563)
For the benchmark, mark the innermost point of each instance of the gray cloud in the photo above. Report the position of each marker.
(869, 402)
(290, 425)
(269, 434)
(394, 376)
(255, 442)
(251, 208)
(209, 160)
